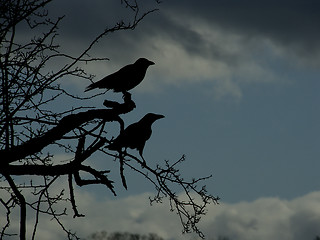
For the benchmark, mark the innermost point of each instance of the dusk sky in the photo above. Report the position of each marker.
(238, 83)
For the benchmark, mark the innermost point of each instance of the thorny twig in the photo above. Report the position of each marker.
(191, 209)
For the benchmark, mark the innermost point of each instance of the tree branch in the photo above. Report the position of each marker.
(22, 203)
(100, 178)
(65, 125)
(72, 198)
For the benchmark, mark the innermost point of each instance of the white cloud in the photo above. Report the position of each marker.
(263, 219)
(132, 214)
(267, 218)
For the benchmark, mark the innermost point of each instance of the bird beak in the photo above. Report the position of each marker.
(151, 63)
(159, 116)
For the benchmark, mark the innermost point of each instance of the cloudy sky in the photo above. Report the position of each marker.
(238, 82)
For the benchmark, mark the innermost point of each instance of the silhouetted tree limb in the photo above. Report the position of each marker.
(66, 124)
(22, 203)
(123, 179)
(72, 198)
(8, 205)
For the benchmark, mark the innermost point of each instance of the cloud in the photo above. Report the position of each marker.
(264, 219)
(194, 52)
(225, 45)
(188, 53)
(292, 24)
(267, 218)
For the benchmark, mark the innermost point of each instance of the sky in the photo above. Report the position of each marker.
(238, 82)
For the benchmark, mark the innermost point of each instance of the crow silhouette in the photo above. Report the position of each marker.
(124, 79)
(135, 135)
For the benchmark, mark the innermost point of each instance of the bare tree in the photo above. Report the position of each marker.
(33, 130)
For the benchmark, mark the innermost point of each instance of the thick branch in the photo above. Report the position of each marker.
(66, 124)
(100, 178)
(40, 170)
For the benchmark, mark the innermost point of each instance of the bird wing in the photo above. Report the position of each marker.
(134, 137)
(118, 81)
(127, 77)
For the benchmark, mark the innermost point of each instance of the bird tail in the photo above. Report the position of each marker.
(113, 146)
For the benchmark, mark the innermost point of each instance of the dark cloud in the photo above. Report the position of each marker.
(205, 40)
(293, 24)
(85, 20)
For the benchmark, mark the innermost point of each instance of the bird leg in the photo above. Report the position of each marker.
(144, 163)
(126, 95)
(128, 100)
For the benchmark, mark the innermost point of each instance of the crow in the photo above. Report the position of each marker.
(135, 135)
(124, 79)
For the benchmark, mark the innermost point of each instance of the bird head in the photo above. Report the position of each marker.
(144, 62)
(151, 117)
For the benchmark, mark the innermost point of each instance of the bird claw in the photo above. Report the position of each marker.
(128, 100)
(126, 96)
(144, 164)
